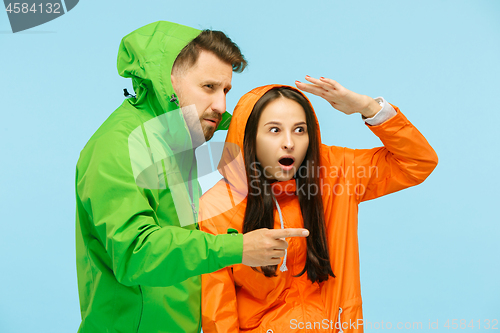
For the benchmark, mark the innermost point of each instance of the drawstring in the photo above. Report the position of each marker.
(127, 94)
(339, 321)
(283, 267)
(174, 99)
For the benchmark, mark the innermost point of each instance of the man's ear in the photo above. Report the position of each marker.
(174, 81)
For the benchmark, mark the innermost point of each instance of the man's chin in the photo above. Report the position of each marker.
(208, 134)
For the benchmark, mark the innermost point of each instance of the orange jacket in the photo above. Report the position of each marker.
(237, 298)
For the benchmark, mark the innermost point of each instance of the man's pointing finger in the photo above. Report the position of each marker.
(291, 232)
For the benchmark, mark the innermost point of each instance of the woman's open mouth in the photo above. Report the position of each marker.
(286, 163)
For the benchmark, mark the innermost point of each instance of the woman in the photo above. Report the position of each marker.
(278, 174)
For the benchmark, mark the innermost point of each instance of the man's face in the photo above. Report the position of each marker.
(204, 87)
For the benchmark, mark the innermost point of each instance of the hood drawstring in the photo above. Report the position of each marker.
(127, 94)
(339, 322)
(283, 267)
(174, 99)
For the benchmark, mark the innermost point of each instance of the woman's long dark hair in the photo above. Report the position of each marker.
(260, 205)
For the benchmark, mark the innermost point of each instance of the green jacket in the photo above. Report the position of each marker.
(139, 253)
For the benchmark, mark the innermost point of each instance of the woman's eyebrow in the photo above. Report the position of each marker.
(279, 124)
(272, 123)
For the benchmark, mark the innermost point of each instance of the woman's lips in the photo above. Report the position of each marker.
(286, 168)
(286, 163)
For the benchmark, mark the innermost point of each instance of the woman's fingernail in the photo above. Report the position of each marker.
(322, 78)
(297, 81)
(307, 76)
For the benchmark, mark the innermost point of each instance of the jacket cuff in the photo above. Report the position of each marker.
(232, 247)
(387, 112)
(392, 125)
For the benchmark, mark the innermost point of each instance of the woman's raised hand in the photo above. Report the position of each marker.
(339, 97)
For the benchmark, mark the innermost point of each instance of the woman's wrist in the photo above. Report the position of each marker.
(372, 109)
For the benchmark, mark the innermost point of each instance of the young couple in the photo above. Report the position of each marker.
(139, 261)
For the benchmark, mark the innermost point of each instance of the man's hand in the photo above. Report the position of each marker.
(264, 247)
(339, 97)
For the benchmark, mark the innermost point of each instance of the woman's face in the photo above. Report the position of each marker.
(282, 138)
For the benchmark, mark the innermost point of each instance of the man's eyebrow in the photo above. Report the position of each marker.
(216, 83)
(213, 82)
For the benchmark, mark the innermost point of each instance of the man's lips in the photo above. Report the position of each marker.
(214, 122)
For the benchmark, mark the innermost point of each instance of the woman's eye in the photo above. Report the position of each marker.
(300, 130)
(274, 129)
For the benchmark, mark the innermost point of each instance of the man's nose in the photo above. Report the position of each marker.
(219, 103)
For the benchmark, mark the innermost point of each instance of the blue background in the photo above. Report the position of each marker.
(427, 253)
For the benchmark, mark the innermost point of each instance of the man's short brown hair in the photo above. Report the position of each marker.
(213, 41)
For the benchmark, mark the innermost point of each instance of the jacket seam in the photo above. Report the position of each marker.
(142, 309)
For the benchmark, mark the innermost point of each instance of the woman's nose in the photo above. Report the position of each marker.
(288, 143)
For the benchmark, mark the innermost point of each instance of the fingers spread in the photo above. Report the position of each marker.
(311, 88)
(327, 84)
(331, 82)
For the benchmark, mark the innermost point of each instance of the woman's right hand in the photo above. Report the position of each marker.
(340, 98)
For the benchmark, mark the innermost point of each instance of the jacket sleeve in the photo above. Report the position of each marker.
(406, 160)
(122, 223)
(218, 299)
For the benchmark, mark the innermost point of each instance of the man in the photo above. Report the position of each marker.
(139, 253)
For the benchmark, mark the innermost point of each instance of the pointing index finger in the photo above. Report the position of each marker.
(290, 232)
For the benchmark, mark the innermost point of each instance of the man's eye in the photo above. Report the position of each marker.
(209, 86)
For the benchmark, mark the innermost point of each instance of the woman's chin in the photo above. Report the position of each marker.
(284, 178)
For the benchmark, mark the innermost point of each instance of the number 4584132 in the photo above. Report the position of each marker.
(462, 324)
(35, 8)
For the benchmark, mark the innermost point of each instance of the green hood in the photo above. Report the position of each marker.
(147, 55)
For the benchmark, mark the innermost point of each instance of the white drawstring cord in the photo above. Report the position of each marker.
(339, 321)
(283, 267)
